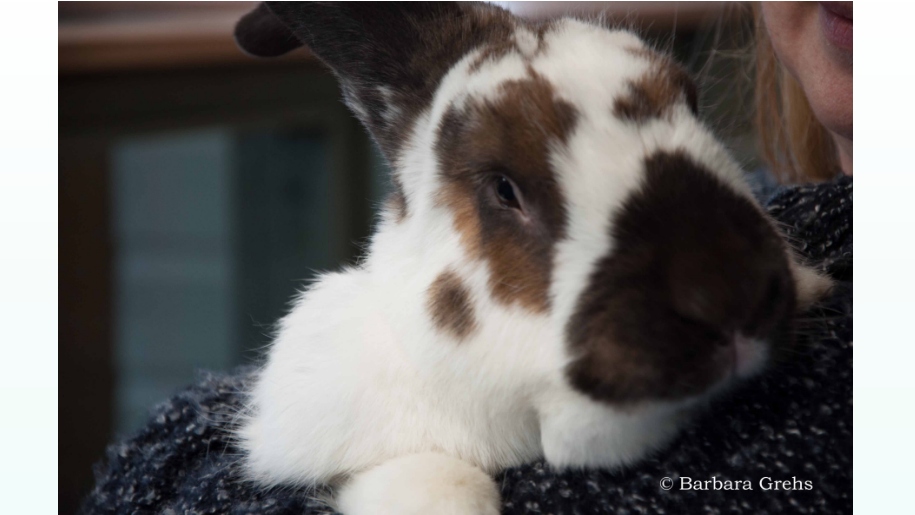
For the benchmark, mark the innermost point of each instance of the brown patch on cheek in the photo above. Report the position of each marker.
(450, 307)
(511, 136)
(655, 93)
(480, 26)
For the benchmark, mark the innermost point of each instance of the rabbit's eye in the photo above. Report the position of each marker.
(506, 192)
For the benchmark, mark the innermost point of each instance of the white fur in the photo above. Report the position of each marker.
(360, 384)
(454, 488)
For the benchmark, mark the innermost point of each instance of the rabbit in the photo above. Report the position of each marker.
(569, 266)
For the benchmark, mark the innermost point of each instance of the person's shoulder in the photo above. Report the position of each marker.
(184, 459)
(817, 220)
(837, 192)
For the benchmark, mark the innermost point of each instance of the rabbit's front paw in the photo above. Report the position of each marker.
(420, 484)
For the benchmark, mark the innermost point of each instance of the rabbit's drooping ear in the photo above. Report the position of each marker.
(261, 34)
(389, 57)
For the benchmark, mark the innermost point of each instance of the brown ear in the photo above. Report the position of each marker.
(261, 34)
(388, 56)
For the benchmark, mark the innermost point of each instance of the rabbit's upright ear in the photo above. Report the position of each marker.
(389, 57)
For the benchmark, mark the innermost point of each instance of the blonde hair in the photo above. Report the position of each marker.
(792, 141)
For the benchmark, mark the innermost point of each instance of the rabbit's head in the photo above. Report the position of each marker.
(585, 231)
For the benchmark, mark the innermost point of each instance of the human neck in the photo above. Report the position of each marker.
(844, 146)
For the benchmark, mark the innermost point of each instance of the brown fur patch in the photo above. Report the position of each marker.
(654, 93)
(492, 52)
(390, 58)
(443, 43)
(396, 202)
(505, 43)
(511, 137)
(694, 262)
(450, 307)
(454, 31)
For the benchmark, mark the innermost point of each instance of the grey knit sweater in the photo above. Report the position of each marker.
(786, 435)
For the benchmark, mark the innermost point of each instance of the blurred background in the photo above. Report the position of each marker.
(200, 189)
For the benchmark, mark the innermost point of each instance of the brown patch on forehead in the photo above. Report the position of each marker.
(414, 83)
(511, 136)
(653, 94)
(504, 43)
(450, 307)
(442, 44)
(493, 52)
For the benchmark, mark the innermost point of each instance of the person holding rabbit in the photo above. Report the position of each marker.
(573, 303)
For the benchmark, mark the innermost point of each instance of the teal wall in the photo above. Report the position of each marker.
(214, 231)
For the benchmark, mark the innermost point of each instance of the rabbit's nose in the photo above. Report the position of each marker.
(748, 294)
(717, 260)
(740, 355)
(749, 355)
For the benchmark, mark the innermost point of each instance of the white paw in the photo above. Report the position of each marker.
(420, 484)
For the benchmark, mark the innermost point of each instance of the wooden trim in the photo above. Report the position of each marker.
(643, 15)
(142, 102)
(85, 318)
(147, 40)
(75, 10)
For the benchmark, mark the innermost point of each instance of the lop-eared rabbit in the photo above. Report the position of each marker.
(570, 263)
